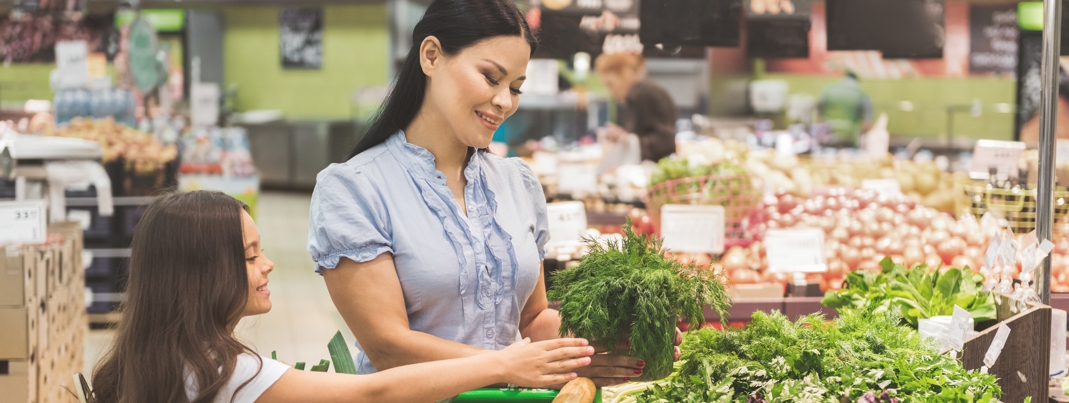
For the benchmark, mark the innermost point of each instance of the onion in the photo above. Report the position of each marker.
(917, 218)
(744, 276)
(962, 262)
(786, 203)
(913, 255)
(864, 197)
(855, 228)
(868, 241)
(815, 206)
(851, 257)
(787, 221)
(867, 253)
(951, 248)
(837, 268)
(833, 204)
(885, 214)
(735, 259)
(855, 242)
(867, 215)
(840, 234)
(827, 224)
(933, 260)
(937, 237)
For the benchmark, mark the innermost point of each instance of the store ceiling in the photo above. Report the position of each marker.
(100, 4)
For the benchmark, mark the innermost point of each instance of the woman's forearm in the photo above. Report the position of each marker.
(412, 347)
(545, 326)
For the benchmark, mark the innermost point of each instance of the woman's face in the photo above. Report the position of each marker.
(258, 266)
(475, 90)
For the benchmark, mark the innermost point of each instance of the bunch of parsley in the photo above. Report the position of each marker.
(859, 354)
(629, 291)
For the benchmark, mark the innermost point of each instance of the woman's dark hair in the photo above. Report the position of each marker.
(457, 24)
(187, 289)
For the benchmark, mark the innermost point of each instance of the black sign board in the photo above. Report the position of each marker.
(671, 23)
(993, 36)
(901, 29)
(301, 38)
(778, 28)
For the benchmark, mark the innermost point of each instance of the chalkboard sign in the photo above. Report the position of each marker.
(778, 28)
(993, 36)
(301, 38)
(1029, 81)
(899, 28)
(714, 23)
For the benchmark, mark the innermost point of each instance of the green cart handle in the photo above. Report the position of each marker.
(487, 395)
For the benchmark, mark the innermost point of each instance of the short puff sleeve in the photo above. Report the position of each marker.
(538, 200)
(347, 219)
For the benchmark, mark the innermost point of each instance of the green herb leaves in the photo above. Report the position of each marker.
(918, 293)
(628, 291)
(859, 354)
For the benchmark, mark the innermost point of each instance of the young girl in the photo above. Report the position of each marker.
(197, 268)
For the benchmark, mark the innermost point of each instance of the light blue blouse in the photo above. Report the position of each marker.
(465, 278)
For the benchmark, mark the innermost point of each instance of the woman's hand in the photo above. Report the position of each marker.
(544, 363)
(613, 369)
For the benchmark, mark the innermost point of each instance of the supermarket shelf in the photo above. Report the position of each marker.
(794, 307)
(118, 201)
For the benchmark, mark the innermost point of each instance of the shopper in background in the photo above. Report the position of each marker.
(430, 246)
(1030, 129)
(645, 109)
(847, 111)
(197, 268)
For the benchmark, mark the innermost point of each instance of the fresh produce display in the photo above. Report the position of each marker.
(919, 292)
(141, 152)
(628, 291)
(862, 227)
(860, 356)
(922, 182)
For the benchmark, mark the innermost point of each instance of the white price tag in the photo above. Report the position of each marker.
(796, 250)
(1001, 335)
(882, 186)
(959, 326)
(691, 228)
(1008, 252)
(567, 222)
(204, 104)
(22, 222)
(581, 178)
(1001, 155)
(72, 65)
(992, 251)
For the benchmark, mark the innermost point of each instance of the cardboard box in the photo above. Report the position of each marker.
(15, 381)
(18, 285)
(17, 333)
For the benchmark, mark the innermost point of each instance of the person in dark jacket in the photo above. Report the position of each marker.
(644, 107)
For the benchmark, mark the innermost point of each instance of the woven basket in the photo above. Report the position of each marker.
(736, 192)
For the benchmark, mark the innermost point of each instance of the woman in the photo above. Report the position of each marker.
(197, 268)
(430, 246)
(647, 109)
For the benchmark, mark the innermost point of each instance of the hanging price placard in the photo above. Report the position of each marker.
(796, 250)
(22, 222)
(567, 222)
(691, 228)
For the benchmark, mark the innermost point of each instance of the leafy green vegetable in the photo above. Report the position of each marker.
(918, 292)
(339, 352)
(860, 354)
(629, 291)
(323, 366)
(299, 366)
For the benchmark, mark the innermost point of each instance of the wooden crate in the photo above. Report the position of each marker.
(1024, 365)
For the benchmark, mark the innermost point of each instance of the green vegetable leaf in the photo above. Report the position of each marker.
(339, 352)
(299, 366)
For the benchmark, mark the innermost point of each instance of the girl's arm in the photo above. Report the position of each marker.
(535, 364)
(369, 298)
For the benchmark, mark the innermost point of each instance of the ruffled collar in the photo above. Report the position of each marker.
(420, 162)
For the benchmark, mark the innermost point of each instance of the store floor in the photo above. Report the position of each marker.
(303, 318)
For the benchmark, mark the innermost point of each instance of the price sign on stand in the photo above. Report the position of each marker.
(882, 186)
(1001, 155)
(22, 222)
(72, 66)
(204, 104)
(959, 326)
(577, 177)
(567, 222)
(690, 228)
(796, 250)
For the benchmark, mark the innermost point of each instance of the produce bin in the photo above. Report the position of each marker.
(1017, 206)
(1023, 368)
(734, 191)
(512, 396)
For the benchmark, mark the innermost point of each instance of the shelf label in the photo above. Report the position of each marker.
(882, 186)
(1001, 335)
(576, 178)
(693, 228)
(798, 250)
(22, 222)
(567, 222)
(1001, 155)
(959, 326)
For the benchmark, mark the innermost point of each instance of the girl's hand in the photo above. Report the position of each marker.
(544, 363)
(608, 369)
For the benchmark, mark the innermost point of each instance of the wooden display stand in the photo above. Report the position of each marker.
(42, 312)
(1024, 365)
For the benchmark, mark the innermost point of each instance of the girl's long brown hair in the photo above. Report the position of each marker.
(187, 289)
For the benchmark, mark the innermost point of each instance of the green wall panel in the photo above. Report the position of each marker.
(931, 99)
(355, 45)
(19, 82)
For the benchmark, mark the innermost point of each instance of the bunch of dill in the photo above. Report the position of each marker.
(629, 291)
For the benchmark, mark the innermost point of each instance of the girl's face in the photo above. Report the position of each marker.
(258, 266)
(475, 90)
